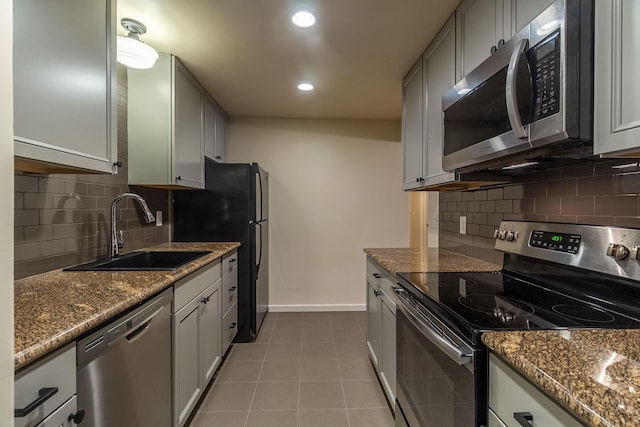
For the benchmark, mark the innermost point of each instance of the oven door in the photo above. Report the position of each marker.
(441, 380)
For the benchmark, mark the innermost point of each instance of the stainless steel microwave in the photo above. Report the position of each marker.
(532, 98)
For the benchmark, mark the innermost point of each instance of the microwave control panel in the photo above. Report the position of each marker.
(545, 70)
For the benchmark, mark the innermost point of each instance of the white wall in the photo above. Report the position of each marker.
(335, 188)
(6, 216)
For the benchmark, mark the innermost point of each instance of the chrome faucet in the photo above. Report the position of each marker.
(118, 243)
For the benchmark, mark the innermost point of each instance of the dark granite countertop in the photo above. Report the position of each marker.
(407, 260)
(54, 308)
(594, 374)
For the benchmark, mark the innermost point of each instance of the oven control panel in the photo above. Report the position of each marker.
(561, 242)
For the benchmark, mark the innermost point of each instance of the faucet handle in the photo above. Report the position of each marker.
(120, 240)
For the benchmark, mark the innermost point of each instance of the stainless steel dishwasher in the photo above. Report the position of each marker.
(124, 369)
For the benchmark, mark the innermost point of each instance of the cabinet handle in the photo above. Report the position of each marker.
(219, 157)
(178, 178)
(377, 276)
(43, 395)
(77, 417)
(205, 300)
(233, 288)
(377, 293)
(233, 325)
(232, 260)
(523, 418)
(117, 164)
(500, 43)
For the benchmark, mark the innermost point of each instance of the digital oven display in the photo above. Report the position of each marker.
(561, 242)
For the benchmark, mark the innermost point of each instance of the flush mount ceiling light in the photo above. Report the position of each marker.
(303, 19)
(131, 51)
(305, 87)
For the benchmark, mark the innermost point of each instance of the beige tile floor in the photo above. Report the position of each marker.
(304, 370)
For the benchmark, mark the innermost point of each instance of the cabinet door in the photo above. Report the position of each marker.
(412, 116)
(525, 10)
(209, 128)
(187, 353)
(617, 90)
(480, 24)
(188, 146)
(211, 343)
(388, 374)
(439, 67)
(65, 84)
(221, 135)
(374, 324)
(229, 327)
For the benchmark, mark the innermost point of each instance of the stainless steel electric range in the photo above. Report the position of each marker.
(555, 276)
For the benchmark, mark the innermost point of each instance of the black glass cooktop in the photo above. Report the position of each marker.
(478, 302)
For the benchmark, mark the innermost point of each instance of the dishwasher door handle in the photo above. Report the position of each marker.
(138, 333)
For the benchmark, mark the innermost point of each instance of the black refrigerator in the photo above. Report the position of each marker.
(233, 207)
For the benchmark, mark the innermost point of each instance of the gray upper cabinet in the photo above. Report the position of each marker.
(523, 11)
(215, 130)
(165, 125)
(439, 71)
(617, 90)
(480, 24)
(65, 84)
(412, 122)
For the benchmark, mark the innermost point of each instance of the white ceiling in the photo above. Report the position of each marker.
(249, 57)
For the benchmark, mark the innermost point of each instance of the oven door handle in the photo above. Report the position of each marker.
(462, 356)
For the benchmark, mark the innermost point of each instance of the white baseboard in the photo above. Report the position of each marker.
(317, 307)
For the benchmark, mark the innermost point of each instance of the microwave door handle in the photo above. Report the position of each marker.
(511, 93)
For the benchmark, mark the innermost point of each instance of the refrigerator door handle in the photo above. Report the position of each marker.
(261, 195)
(259, 233)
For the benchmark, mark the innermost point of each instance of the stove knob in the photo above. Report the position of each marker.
(496, 232)
(511, 236)
(502, 234)
(617, 251)
(635, 253)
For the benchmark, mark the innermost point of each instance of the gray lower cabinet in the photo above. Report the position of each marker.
(381, 326)
(54, 375)
(229, 325)
(196, 337)
(617, 90)
(65, 85)
(510, 396)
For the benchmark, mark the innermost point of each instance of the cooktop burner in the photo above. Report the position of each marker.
(583, 313)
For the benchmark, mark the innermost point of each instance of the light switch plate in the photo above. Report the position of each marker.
(463, 225)
(158, 218)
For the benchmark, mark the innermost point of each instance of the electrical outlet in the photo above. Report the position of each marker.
(158, 218)
(463, 225)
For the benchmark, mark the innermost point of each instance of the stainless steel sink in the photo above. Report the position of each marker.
(142, 261)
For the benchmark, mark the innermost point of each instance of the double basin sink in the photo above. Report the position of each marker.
(143, 261)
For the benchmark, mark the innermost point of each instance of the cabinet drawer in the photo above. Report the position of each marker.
(229, 261)
(229, 327)
(191, 286)
(509, 393)
(373, 271)
(229, 289)
(57, 370)
(385, 281)
(60, 418)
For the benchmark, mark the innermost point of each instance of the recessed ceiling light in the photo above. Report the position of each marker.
(305, 86)
(303, 19)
